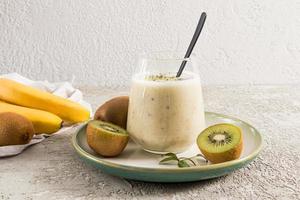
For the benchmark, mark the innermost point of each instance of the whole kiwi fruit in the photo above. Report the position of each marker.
(114, 111)
(15, 129)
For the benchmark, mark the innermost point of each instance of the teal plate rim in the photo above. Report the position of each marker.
(199, 168)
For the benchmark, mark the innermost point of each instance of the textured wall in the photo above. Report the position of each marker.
(243, 42)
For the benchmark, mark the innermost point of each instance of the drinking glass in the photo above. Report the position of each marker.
(165, 113)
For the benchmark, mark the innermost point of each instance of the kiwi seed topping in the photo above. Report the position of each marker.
(161, 77)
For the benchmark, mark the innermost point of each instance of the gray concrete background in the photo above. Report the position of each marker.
(52, 170)
(97, 41)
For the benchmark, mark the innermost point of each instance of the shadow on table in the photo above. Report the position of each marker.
(179, 185)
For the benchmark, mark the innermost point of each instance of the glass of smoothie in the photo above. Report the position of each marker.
(166, 112)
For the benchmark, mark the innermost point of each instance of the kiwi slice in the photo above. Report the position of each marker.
(105, 138)
(221, 142)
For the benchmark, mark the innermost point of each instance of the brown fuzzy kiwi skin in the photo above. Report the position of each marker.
(114, 111)
(15, 129)
(107, 145)
(229, 155)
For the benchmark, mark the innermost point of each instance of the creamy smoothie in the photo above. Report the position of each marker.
(165, 113)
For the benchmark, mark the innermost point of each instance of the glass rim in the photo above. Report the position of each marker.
(165, 56)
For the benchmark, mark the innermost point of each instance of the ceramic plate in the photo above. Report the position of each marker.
(137, 164)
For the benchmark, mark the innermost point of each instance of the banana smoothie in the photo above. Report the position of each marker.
(165, 113)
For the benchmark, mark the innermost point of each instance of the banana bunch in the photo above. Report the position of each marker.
(46, 111)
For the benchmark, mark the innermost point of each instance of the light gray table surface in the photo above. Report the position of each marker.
(52, 170)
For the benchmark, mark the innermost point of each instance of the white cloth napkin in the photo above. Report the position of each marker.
(63, 89)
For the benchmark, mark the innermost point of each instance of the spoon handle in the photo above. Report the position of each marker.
(193, 42)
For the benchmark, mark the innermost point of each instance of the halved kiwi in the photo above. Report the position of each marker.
(221, 142)
(105, 138)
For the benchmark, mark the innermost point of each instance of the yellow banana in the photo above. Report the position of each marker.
(19, 94)
(43, 122)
